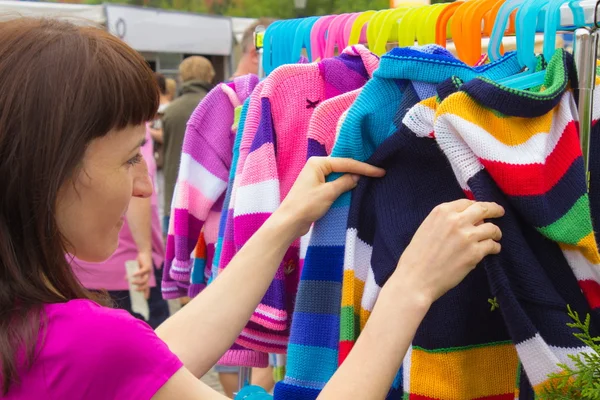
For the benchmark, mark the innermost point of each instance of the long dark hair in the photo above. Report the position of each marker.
(61, 86)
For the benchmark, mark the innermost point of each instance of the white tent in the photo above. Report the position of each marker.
(74, 12)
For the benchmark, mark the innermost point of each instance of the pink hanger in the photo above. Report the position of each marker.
(348, 30)
(336, 31)
(317, 36)
(344, 34)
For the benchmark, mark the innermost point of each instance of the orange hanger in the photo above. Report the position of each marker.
(441, 27)
(471, 34)
(456, 27)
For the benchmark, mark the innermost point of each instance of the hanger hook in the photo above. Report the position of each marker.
(596, 24)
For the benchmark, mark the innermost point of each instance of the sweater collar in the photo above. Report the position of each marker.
(437, 66)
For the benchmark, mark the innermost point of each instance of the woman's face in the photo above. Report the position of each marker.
(91, 209)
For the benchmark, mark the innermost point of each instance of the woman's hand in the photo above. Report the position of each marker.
(312, 196)
(450, 242)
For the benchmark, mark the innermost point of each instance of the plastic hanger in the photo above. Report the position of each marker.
(527, 22)
(268, 46)
(302, 38)
(333, 35)
(375, 26)
(421, 23)
(472, 32)
(407, 31)
(504, 12)
(344, 33)
(456, 26)
(552, 22)
(281, 43)
(442, 28)
(357, 27)
(317, 36)
(429, 29)
(388, 29)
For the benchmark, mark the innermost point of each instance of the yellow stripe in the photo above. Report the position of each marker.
(352, 290)
(587, 246)
(510, 131)
(364, 316)
(429, 102)
(464, 374)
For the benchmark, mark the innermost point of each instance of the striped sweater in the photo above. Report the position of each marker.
(374, 116)
(202, 180)
(277, 155)
(521, 149)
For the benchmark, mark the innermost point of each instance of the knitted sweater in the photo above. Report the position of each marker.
(383, 101)
(521, 149)
(278, 154)
(202, 180)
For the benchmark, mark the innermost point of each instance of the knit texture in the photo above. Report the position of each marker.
(237, 355)
(312, 351)
(277, 155)
(201, 183)
(521, 149)
(472, 356)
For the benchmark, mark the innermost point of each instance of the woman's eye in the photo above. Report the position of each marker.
(135, 160)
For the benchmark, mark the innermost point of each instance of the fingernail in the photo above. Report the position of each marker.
(355, 178)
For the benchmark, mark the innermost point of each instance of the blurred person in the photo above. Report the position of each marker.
(249, 62)
(171, 88)
(140, 239)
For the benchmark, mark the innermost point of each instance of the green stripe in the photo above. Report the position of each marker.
(475, 346)
(349, 324)
(573, 226)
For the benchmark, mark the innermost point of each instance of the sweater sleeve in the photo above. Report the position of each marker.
(202, 180)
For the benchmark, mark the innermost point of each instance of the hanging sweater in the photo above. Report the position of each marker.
(449, 363)
(201, 183)
(375, 115)
(521, 149)
(278, 154)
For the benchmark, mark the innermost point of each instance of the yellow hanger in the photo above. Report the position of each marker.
(425, 30)
(407, 27)
(376, 25)
(388, 29)
(358, 26)
(431, 21)
(419, 21)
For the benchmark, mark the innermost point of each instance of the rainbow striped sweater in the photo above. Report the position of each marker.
(375, 115)
(521, 148)
(201, 183)
(277, 155)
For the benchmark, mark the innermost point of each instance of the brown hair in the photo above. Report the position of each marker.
(61, 86)
(248, 37)
(197, 68)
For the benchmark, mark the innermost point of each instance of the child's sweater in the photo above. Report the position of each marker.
(521, 149)
(277, 155)
(382, 102)
(198, 197)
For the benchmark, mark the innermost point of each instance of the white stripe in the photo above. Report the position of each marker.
(199, 177)
(596, 104)
(371, 292)
(406, 365)
(419, 120)
(463, 161)
(534, 151)
(262, 197)
(264, 312)
(262, 339)
(540, 359)
(304, 242)
(582, 268)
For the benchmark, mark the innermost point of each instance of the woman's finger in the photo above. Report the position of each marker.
(488, 247)
(343, 184)
(487, 231)
(479, 211)
(350, 166)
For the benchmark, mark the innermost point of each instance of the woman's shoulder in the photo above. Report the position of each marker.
(105, 351)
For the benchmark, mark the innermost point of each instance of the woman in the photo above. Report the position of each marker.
(73, 104)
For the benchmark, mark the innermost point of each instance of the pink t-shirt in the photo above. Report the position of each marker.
(95, 353)
(110, 275)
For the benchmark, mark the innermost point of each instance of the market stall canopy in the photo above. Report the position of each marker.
(77, 13)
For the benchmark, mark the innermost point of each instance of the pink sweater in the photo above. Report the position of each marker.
(277, 155)
(202, 180)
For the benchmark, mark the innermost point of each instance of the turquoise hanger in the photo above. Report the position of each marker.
(268, 47)
(500, 27)
(302, 38)
(285, 36)
(552, 23)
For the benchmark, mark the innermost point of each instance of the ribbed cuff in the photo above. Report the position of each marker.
(180, 270)
(244, 358)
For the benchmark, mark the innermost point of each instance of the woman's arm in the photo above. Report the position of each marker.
(447, 246)
(202, 331)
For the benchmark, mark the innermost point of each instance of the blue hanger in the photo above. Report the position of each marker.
(268, 47)
(285, 36)
(302, 38)
(500, 27)
(552, 22)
